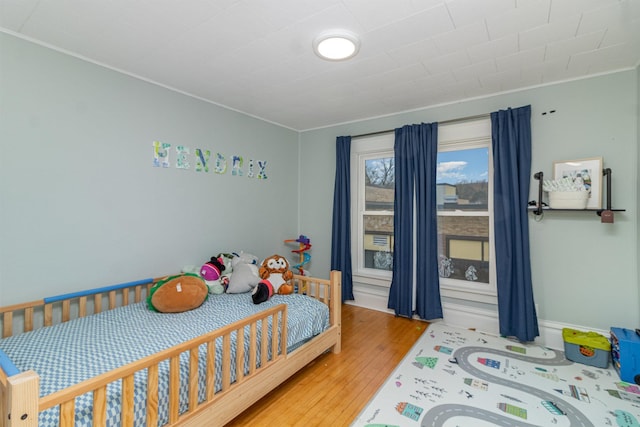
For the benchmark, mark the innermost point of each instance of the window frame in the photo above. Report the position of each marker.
(468, 135)
(451, 137)
(363, 149)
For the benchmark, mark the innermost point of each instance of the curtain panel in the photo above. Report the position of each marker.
(415, 153)
(341, 223)
(511, 144)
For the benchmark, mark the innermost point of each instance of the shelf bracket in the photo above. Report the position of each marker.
(607, 174)
(539, 176)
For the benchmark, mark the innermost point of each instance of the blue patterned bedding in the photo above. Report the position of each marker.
(71, 352)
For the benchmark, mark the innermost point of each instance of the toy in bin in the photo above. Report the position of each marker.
(589, 348)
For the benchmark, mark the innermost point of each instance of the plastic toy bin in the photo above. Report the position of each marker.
(625, 354)
(589, 348)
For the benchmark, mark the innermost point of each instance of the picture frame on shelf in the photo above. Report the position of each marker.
(589, 170)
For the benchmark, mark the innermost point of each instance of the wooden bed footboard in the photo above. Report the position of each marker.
(329, 292)
(20, 403)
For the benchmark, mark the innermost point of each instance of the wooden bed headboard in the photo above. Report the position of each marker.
(62, 308)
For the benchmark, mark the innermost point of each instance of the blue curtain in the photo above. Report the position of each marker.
(416, 152)
(511, 143)
(341, 225)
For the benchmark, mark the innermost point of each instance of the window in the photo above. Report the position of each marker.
(465, 214)
(372, 165)
(464, 198)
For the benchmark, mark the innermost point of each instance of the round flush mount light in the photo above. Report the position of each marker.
(336, 45)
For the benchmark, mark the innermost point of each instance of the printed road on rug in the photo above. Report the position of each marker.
(457, 378)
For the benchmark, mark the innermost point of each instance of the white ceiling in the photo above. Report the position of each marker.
(255, 56)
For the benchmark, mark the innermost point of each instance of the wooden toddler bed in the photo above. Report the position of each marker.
(194, 370)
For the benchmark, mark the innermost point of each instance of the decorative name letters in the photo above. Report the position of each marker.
(161, 150)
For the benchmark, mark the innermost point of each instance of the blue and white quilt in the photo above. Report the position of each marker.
(72, 352)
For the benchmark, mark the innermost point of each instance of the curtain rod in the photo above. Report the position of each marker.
(444, 122)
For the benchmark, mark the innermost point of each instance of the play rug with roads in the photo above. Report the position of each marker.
(456, 378)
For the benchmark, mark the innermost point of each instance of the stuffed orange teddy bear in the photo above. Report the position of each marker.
(274, 274)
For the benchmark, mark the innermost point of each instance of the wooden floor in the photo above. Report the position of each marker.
(333, 389)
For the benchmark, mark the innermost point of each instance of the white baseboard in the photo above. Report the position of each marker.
(551, 332)
(370, 299)
(464, 316)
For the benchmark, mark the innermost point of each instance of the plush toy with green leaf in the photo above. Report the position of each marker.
(179, 293)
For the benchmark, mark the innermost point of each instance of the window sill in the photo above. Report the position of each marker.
(369, 279)
(448, 291)
(468, 295)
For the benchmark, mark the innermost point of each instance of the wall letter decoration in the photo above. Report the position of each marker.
(161, 154)
(255, 168)
(236, 168)
(262, 174)
(250, 172)
(221, 164)
(202, 160)
(182, 162)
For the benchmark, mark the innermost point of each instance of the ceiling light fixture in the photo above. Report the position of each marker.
(336, 45)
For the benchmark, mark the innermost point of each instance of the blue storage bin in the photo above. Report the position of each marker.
(625, 354)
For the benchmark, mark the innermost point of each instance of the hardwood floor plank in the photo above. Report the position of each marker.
(334, 388)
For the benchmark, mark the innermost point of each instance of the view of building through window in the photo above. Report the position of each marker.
(378, 222)
(463, 213)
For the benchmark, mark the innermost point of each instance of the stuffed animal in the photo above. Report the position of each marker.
(275, 275)
(176, 294)
(225, 275)
(244, 276)
(211, 271)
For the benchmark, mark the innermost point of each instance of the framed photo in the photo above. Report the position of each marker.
(587, 170)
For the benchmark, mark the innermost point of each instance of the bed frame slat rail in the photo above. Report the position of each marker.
(24, 317)
(100, 407)
(152, 395)
(272, 350)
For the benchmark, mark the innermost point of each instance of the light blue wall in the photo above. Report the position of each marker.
(584, 272)
(81, 203)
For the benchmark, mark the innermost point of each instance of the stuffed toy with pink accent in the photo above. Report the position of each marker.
(211, 271)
